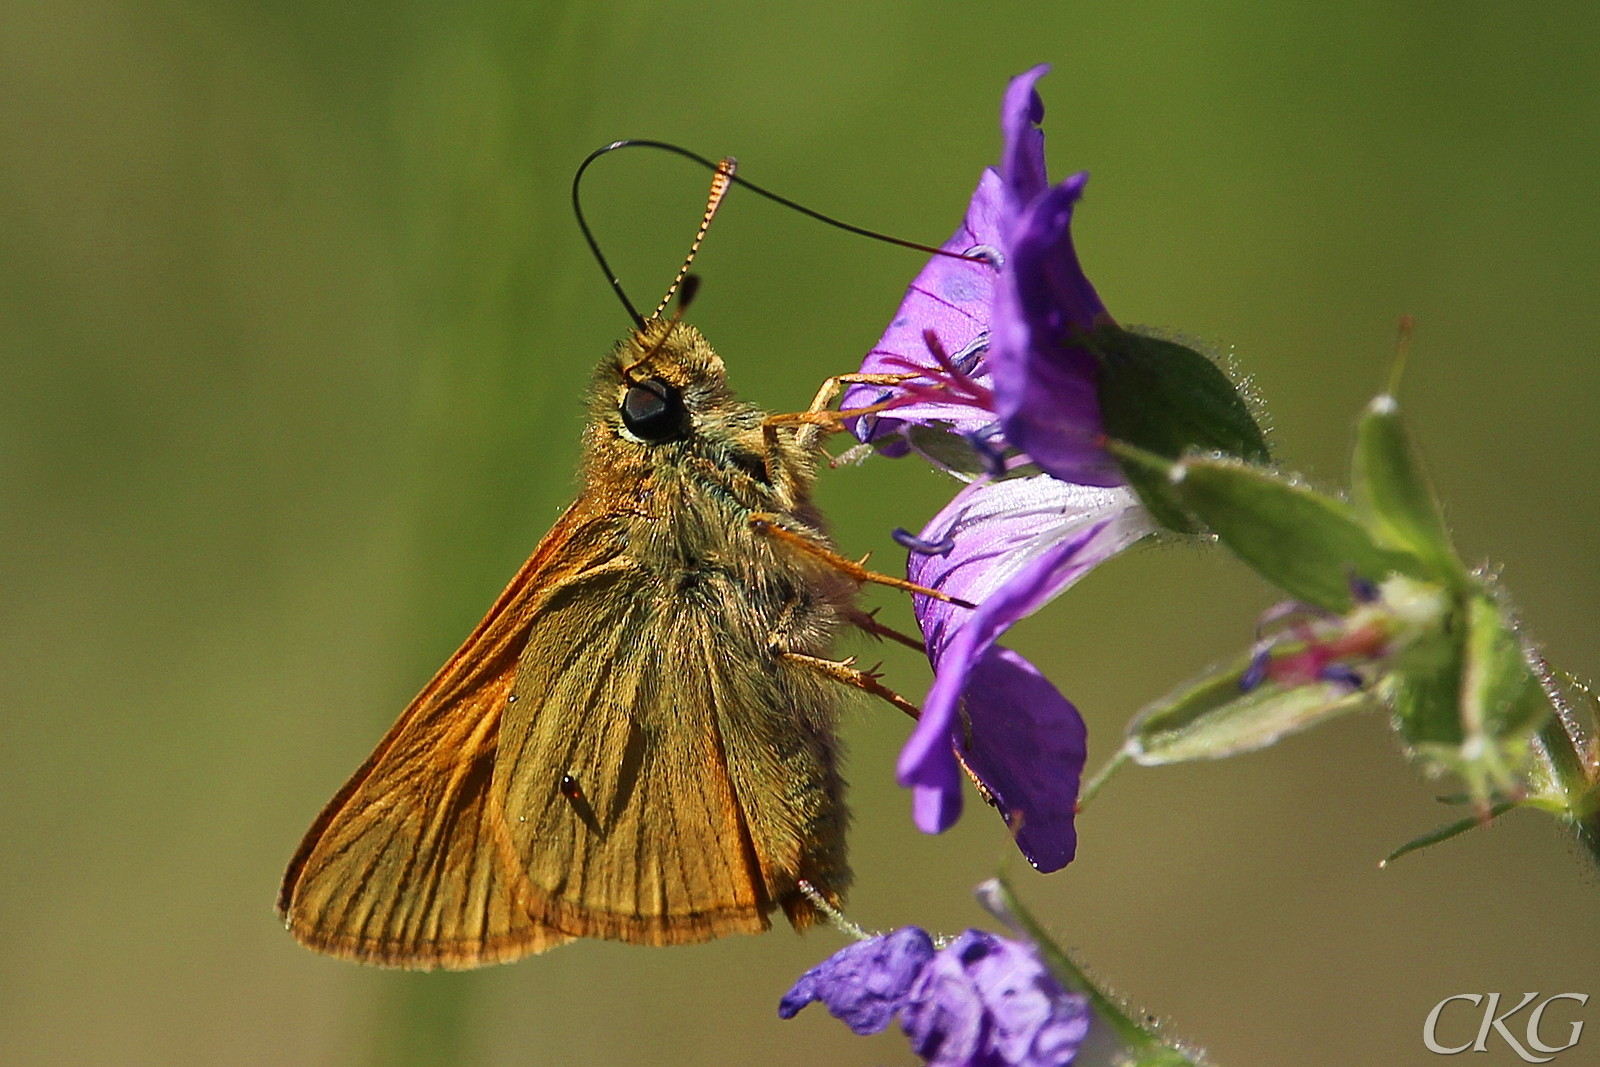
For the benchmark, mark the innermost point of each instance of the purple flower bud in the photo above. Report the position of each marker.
(1256, 673)
(981, 1001)
(864, 984)
(1343, 674)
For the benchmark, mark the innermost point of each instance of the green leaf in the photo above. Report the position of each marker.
(1167, 399)
(1213, 718)
(1163, 1057)
(1309, 544)
(1156, 494)
(1393, 495)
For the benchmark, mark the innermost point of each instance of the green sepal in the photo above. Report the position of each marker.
(1307, 543)
(1445, 833)
(1498, 705)
(1394, 497)
(1213, 718)
(944, 448)
(1500, 698)
(1426, 686)
(1166, 399)
(1563, 777)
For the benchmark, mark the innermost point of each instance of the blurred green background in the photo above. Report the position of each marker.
(294, 322)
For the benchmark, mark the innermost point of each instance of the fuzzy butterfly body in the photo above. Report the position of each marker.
(630, 744)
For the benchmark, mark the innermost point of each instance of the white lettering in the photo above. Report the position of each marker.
(1429, 1028)
(1538, 1013)
(1491, 1021)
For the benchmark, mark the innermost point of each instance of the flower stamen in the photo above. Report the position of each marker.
(911, 542)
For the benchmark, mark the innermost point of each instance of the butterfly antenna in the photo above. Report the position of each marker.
(727, 178)
(588, 234)
(721, 182)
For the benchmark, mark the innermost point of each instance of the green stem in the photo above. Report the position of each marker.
(1092, 787)
(1069, 974)
(425, 1021)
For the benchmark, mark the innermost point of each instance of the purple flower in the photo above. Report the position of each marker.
(980, 1001)
(953, 298)
(1046, 381)
(997, 344)
(1014, 317)
(1016, 544)
(986, 1000)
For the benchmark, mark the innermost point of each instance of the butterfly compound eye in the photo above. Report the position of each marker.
(653, 412)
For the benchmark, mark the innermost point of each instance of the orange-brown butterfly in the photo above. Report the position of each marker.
(637, 742)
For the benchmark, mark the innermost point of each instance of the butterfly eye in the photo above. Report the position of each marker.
(653, 412)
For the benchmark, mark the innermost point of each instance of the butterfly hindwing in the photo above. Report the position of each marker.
(634, 701)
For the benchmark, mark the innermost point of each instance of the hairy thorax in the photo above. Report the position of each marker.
(696, 512)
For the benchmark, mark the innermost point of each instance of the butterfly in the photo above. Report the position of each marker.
(638, 740)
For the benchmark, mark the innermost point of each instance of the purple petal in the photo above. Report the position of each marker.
(943, 1015)
(952, 297)
(927, 760)
(864, 984)
(1045, 381)
(1017, 544)
(1021, 738)
(935, 785)
(981, 1001)
(987, 1001)
(1022, 157)
(1033, 1022)
(1000, 529)
(1028, 746)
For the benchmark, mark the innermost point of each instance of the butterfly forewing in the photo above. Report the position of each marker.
(400, 868)
(598, 760)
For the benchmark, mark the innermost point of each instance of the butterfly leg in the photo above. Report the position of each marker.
(847, 673)
(867, 622)
(817, 420)
(830, 390)
(766, 524)
(832, 387)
